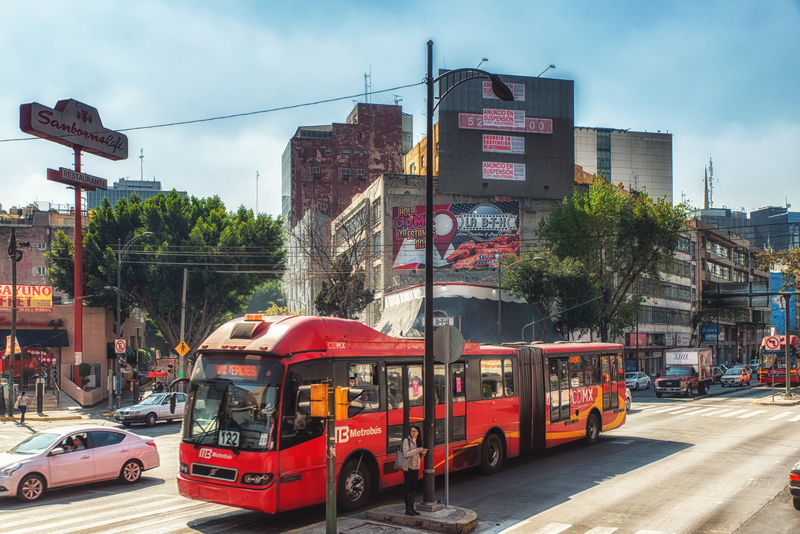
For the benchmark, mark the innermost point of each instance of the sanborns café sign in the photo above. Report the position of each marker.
(73, 123)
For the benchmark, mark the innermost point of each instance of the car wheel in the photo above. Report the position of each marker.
(354, 485)
(131, 472)
(31, 488)
(688, 392)
(648, 385)
(628, 404)
(658, 394)
(168, 421)
(150, 420)
(796, 503)
(491, 455)
(636, 387)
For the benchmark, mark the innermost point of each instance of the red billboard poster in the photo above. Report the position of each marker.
(517, 88)
(493, 170)
(466, 235)
(503, 144)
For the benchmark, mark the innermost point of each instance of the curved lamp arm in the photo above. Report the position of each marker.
(454, 78)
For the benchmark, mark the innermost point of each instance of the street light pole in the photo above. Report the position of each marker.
(121, 251)
(501, 90)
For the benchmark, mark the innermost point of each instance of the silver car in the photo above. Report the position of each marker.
(69, 456)
(152, 409)
(637, 380)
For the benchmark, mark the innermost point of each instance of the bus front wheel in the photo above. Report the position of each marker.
(491, 455)
(354, 485)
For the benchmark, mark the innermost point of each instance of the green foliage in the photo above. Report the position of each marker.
(265, 296)
(228, 255)
(620, 238)
(557, 286)
(346, 293)
(786, 261)
(275, 310)
(84, 370)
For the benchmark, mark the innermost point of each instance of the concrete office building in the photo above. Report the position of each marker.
(123, 189)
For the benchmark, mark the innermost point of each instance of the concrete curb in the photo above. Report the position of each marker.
(44, 418)
(452, 520)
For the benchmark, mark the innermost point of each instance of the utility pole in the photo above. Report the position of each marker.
(15, 255)
(182, 366)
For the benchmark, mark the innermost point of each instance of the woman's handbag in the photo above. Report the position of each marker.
(16, 404)
(400, 461)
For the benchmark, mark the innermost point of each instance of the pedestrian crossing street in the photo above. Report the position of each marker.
(723, 409)
(524, 527)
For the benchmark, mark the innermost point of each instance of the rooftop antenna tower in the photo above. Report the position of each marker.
(397, 99)
(710, 183)
(367, 84)
(256, 193)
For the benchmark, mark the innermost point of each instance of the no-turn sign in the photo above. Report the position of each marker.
(772, 342)
(119, 346)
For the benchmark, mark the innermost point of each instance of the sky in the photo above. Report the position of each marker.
(722, 76)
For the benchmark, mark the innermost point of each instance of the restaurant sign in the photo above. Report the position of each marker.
(29, 298)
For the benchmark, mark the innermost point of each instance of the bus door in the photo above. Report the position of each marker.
(559, 390)
(610, 375)
(458, 411)
(405, 402)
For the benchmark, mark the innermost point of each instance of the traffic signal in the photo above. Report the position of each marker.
(317, 406)
(171, 368)
(343, 398)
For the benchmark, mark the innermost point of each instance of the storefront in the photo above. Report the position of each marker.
(39, 349)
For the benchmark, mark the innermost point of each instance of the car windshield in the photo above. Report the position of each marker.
(733, 372)
(153, 399)
(678, 371)
(234, 412)
(35, 443)
(630, 375)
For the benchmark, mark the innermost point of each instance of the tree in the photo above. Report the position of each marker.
(227, 256)
(786, 261)
(346, 293)
(620, 238)
(552, 284)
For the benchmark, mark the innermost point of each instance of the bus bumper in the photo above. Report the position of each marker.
(261, 500)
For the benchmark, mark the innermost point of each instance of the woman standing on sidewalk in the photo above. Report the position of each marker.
(22, 403)
(412, 449)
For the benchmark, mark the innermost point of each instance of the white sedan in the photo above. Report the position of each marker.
(153, 408)
(69, 456)
(637, 380)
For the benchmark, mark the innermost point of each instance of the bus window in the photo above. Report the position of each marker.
(576, 372)
(491, 379)
(555, 403)
(458, 386)
(438, 383)
(415, 397)
(394, 382)
(592, 369)
(508, 377)
(296, 425)
(365, 376)
(564, 385)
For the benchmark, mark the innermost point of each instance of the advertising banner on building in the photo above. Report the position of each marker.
(466, 235)
(517, 88)
(29, 298)
(504, 118)
(495, 170)
(503, 144)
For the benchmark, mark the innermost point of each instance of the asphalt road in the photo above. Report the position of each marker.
(705, 465)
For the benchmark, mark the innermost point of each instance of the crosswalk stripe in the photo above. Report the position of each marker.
(514, 527)
(95, 523)
(751, 414)
(779, 416)
(602, 530)
(70, 513)
(649, 532)
(162, 525)
(794, 419)
(703, 410)
(716, 413)
(553, 528)
(735, 412)
(671, 408)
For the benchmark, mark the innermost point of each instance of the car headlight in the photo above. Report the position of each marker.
(134, 413)
(7, 470)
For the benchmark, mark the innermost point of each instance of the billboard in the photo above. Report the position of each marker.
(29, 298)
(525, 148)
(466, 234)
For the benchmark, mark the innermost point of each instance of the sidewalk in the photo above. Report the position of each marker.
(392, 519)
(69, 410)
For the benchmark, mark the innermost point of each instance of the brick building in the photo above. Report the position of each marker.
(324, 167)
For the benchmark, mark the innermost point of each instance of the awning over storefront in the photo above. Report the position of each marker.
(36, 338)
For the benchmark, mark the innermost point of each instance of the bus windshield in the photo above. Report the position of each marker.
(233, 403)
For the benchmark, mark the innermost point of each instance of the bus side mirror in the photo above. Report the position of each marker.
(173, 399)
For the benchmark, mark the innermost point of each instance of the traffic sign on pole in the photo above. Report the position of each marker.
(772, 342)
(119, 346)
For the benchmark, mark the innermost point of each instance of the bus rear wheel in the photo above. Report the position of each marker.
(491, 455)
(354, 485)
(592, 429)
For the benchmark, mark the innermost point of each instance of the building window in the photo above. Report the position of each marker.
(422, 162)
(377, 242)
(328, 152)
(376, 212)
(718, 250)
(364, 153)
(315, 170)
(344, 152)
(41, 246)
(41, 271)
(323, 206)
(361, 135)
(345, 174)
(720, 271)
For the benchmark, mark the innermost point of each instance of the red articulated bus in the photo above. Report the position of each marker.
(777, 355)
(247, 441)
